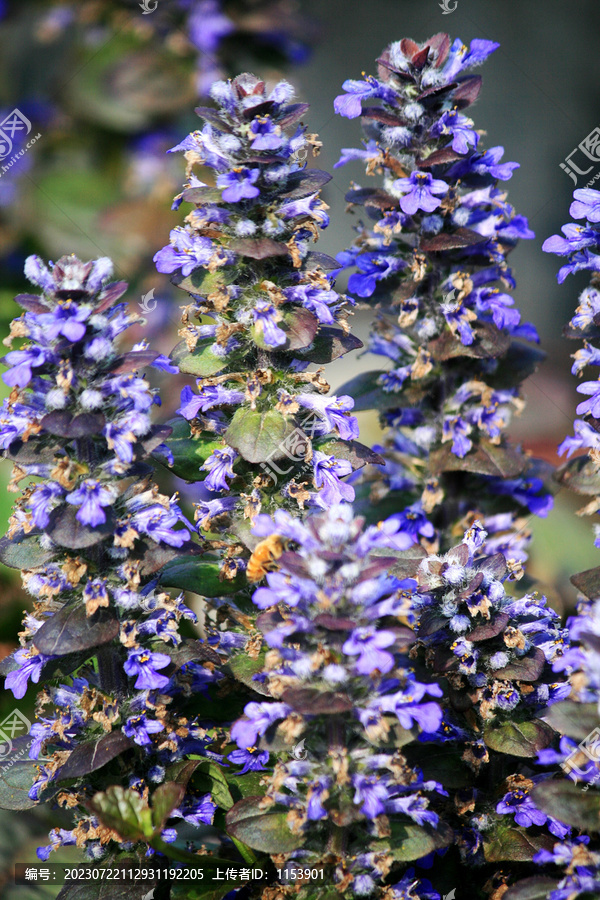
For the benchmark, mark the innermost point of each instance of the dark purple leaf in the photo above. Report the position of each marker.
(493, 566)
(334, 623)
(371, 197)
(315, 260)
(214, 117)
(190, 650)
(528, 668)
(131, 362)
(269, 620)
(65, 529)
(379, 114)
(301, 327)
(110, 295)
(157, 435)
(471, 587)
(433, 94)
(259, 248)
(31, 452)
(303, 184)
(467, 92)
(294, 563)
(295, 111)
(407, 562)
(329, 344)
(70, 630)
(439, 157)
(489, 342)
(92, 755)
(32, 303)
(462, 237)
(488, 629)
(57, 422)
(308, 701)
(588, 582)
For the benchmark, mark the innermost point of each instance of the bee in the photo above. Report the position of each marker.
(264, 557)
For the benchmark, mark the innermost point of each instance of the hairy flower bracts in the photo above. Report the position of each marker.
(262, 433)
(343, 700)
(89, 531)
(433, 258)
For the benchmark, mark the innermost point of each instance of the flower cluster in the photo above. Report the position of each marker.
(89, 532)
(578, 718)
(494, 656)
(496, 651)
(261, 433)
(342, 689)
(434, 257)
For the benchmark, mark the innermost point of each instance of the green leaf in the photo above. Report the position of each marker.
(576, 720)
(210, 778)
(242, 667)
(260, 829)
(248, 785)
(536, 888)
(410, 842)
(367, 393)
(523, 739)
(189, 452)
(514, 844)
(569, 803)
(258, 436)
(17, 778)
(357, 454)
(165, 799)
(24, 552)
(201, 361)
(125, 811)
(201, 576)
(203, 282)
